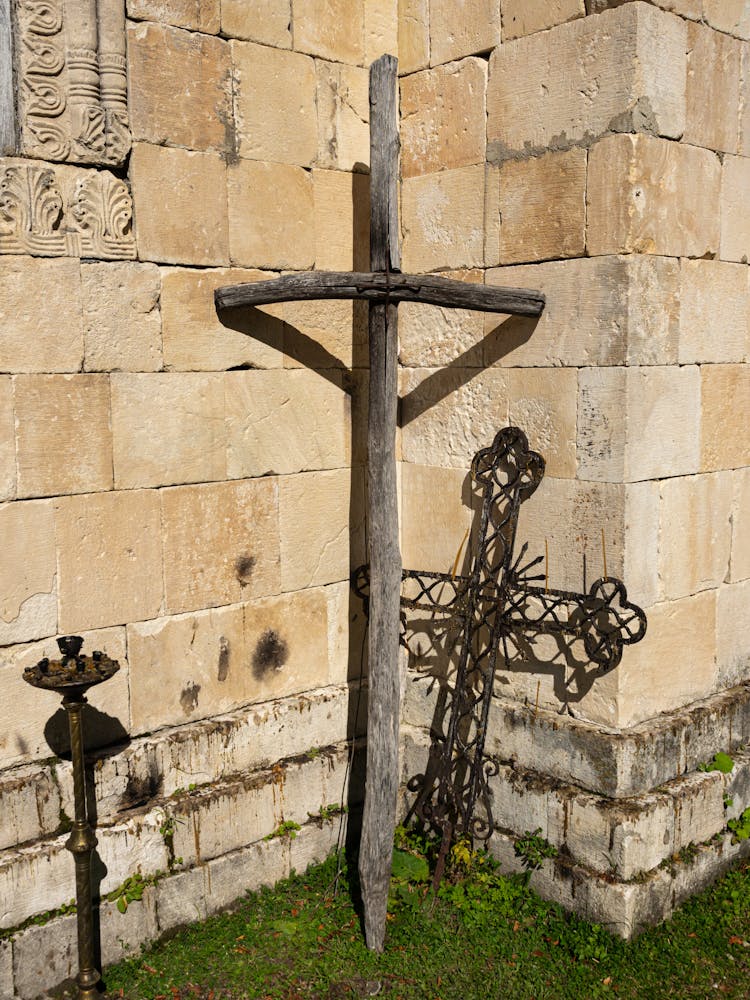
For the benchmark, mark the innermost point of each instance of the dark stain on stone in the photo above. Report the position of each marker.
(223, 658)
(189, 698)
(243, 568)
(140, 789)
(271, 653)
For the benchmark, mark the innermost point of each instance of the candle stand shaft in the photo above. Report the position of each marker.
(81, 843)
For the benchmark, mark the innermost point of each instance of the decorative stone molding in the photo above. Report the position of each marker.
(57, 211)
(71, 85)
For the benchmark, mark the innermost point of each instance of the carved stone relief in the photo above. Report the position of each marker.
(71, 80)
(58, 211)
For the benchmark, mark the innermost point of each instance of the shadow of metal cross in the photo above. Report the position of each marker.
(383, 287)
(495, 604)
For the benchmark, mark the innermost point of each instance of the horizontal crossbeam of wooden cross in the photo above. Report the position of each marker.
(380, 287)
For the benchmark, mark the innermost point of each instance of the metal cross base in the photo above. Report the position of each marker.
(495, 602)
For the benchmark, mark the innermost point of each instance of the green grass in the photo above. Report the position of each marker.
(485, 937)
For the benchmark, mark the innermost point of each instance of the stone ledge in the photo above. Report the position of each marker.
(610, 762)
(618, 838)
(181, 832)
(29, 963)
(625, 908)
(36, 798)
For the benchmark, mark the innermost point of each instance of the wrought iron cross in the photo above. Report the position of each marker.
(384, 287)
(496, 603)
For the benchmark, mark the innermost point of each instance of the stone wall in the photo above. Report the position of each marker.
(596, 152)
(188, 494)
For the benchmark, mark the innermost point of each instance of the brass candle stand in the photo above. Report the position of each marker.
(71, 677)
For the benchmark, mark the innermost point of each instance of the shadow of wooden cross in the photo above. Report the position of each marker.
(383, 287)
(492, 607)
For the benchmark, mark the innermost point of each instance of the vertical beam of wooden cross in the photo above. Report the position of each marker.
(384, 287)
(381, 786)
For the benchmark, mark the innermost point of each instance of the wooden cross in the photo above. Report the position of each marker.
(383, 287)
(491, 608)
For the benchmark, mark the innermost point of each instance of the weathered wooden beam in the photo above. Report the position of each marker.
(377, 287)
(7, 90)
(381, 788)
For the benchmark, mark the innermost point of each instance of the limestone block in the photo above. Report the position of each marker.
(623, 71)
(181, 899)
(6, 970)
(125, 934)
(343, 115)
(443, 117)
(197, 15)
(599, 311)
(648, 195)
(220, 543)
(30, 806)
(732, 16)
(233, 874)
(34, 725)
(121, 320)
(543, 403)
(542, 207)
(347, 626)
(699, 807)
(266, 21)
(110, 569)
(744, 110)
(274, 95)
(570, 517)
(381, 29)
(640, 561)
(524, 17)
(627, 841)
(713, 89)
(740, 557)
(187, 668)
(225, 817)
(333, 29)
(735, 227)
(436, 510)
(180, 205)
(733, 634)
(283, 422)
(28, 609)
(314, 843)
(196, 339)
(41, 958)
(443, 220)
(34, 338)
(342, 220)
(462, 30)
(317, 525)
(663, 671)
(714, 313)
(180, 87)
(449, 413)
(271, 219)
(7, 441)
(702, 508)
(325, 333)
(431, 337)
(725, 400)
(413, 35)
(188, 409)
(685, 8)
(63, 436)
(639, 423)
